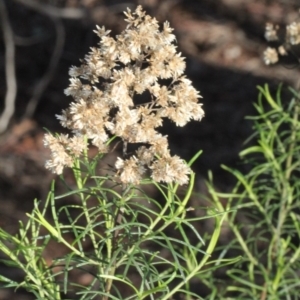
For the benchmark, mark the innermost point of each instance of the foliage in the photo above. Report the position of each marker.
(126, 258)
(265, 219)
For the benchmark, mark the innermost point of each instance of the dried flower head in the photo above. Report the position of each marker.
(271, 32)
(270, 56)
(105, 88)
(292, 38)
(282, 51)
(293, 33)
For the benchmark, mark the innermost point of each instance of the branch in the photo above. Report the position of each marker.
(43, 83)
(10, 97)
(67, 13)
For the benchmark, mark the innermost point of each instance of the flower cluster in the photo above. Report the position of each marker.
(292, 38)
(106, 89)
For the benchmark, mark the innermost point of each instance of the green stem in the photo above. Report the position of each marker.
(212, 244)
(114, 242)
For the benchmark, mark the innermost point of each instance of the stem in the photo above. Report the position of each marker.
(115, 239)
(210, 248)
(285, 202)
(293, 144)
(80, 185)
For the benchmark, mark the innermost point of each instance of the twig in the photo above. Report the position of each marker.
(67, 13)
(29, 41)
(43, 83)
(10, 97)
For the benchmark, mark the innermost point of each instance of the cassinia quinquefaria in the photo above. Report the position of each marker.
(142, 58)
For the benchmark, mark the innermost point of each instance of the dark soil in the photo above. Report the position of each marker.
(223, 41)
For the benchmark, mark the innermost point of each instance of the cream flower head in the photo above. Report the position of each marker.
(105, 89)
(292, 38)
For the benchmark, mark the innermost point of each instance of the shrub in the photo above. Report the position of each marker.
(113, 232)
(265, 204)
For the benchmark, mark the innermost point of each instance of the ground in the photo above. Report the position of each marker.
(223, 41)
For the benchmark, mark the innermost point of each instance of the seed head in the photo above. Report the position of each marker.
(105, 89)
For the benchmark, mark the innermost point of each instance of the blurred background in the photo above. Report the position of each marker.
(222, 40)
